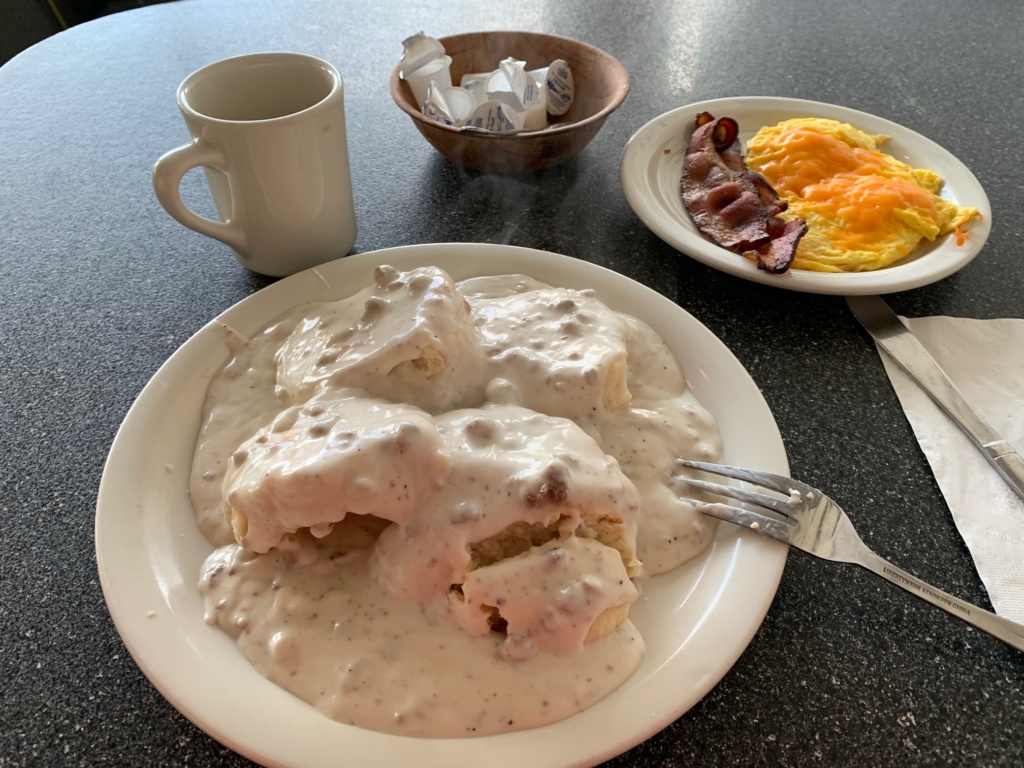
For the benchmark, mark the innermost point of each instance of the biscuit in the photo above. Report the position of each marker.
(575, 363)
(552, 597)
(316, 463)
(408, 338)
(533, 533)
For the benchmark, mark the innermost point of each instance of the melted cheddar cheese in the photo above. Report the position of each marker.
(864, 209)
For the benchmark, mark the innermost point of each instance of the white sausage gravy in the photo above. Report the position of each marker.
(433, 501)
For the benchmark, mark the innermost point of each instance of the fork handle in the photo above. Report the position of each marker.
(1008, 631)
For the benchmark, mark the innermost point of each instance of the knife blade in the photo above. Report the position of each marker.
(901, 345)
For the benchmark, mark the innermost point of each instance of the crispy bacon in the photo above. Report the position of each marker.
(734, 206)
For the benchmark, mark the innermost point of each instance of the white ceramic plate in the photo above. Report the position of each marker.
(652, 166)
(696, 621)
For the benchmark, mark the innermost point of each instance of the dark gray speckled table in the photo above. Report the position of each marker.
(99, 286)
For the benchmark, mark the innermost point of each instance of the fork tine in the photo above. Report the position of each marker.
(780, 506)
(784, 485)
(746, 518)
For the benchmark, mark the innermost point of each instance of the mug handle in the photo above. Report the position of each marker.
(167, 174)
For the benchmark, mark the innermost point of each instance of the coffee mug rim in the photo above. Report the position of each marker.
(337, 85)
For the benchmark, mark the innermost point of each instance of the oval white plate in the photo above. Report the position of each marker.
(652, 166)
(696, 620)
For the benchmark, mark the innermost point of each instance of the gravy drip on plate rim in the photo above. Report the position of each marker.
(315, 615)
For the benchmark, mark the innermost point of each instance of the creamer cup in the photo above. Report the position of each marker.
(477, 87)
(469, 76)
(436, 70)
(496, 117)
(419, 50)
(435, 106)
(536, 117)
(451, 106)
(511, 85)
(560, 87)
(522, 86)
(460, 103)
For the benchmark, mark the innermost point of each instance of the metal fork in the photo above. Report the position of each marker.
(810, 521)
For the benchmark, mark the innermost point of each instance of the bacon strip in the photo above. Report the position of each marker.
(734, 206)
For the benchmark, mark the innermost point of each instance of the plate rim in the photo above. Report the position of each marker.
(126, 600)
(634, 177)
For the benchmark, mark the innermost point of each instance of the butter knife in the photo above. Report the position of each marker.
(902, 346)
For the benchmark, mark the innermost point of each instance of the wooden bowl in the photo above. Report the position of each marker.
(601, 84)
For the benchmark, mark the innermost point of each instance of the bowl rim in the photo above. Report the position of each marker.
(619, 97)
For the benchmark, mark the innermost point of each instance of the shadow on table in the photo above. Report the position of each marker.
(26, 22)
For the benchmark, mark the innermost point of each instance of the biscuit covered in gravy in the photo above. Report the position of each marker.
(555, 350)
(518, 480)
(554, 597)
(318, 462)
(408, 338)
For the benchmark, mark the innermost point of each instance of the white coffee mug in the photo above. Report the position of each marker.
(269, 130)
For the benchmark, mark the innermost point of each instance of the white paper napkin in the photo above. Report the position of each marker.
(985, 359)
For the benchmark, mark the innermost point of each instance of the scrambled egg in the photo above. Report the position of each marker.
(864, 209)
